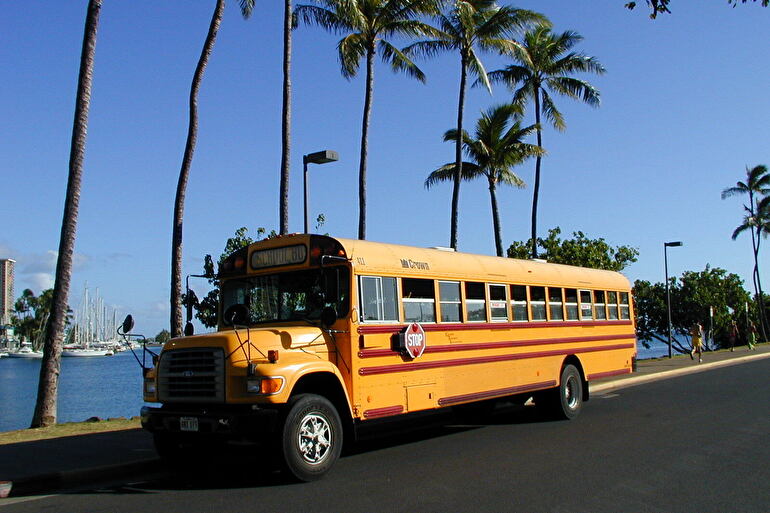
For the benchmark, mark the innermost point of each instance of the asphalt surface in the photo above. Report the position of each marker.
(41, 467)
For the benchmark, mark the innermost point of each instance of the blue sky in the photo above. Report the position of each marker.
(684, 111)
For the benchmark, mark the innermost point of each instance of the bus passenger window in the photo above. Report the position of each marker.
(555, 304)
(537, 303)
(612, 305)
(586, 310)
(378, 299)
(498, 303)
(519, 302)
(571, 302)
(599, 312)
(624, 310)
(419, 298)
(475, 302)
(449, 297)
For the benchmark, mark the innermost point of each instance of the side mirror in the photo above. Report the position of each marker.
(191, 300)
(128, 324)
(189, 330)
(328, 316)
(236, 314)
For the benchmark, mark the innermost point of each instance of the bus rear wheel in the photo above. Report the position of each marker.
(311, 437)
(566, 401)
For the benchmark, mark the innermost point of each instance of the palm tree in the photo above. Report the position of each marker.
(493, 152)
(184, 173)
(757, 184)
(366, 25)
(247, 7)
(48, 386)
(543, 67)
(470, 25)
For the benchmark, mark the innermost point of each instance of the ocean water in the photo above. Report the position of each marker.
(656, 350)
(104, 387)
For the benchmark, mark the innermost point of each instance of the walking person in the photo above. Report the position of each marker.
(752, 338)
(733, 336)
(696, 333)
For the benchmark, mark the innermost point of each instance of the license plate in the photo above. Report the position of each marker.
(188, 424)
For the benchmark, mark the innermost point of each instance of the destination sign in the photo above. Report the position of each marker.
(278, 256)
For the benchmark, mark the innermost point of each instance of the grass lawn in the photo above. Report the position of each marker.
(68, 429)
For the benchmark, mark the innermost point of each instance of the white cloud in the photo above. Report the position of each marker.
(39, 282)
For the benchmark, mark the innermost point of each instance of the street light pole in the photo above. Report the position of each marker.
(319, 157)
(667, 245)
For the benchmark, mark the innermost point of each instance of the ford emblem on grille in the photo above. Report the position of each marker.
(188, 374)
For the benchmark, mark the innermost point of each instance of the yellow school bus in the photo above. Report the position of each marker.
(318, 336)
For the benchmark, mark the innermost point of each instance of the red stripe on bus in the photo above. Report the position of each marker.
(383, 412)
(489, 394)
(374, 353)
(414, 366)
(600, 375)
(395, 328)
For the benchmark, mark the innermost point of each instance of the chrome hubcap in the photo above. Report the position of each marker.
(571, 393)
(315, 438)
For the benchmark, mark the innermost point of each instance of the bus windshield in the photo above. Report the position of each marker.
(289, 296)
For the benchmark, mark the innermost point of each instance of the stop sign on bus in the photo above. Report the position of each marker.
(414, 340)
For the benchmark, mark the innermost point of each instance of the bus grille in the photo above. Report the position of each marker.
(192, 376)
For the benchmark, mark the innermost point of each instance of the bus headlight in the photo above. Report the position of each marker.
(149, 387)
(264, 385)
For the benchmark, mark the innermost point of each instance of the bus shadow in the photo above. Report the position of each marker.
(251, 467)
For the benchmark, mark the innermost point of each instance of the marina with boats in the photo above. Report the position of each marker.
(92, 333)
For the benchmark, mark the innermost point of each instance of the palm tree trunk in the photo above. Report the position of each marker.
(286, 122)
(365, 143)
(47, 391)
(496, 218)
(536, 188)
(184, 173)
(761, 300)
(458, 152)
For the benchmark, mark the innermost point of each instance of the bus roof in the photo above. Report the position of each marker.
(377, 258)
(391, 259)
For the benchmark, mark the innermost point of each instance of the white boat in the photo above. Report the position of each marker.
(25, 351)
(86, 352)
(3, 354)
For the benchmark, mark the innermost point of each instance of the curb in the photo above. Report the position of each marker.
(611, 386)
(45, 483)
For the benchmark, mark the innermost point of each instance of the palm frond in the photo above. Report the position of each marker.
(325, 18)
(247, 7)
(551, 113)
(446, 173)
(350, 50)
(476, 67)
(739, 188)
(575, 88)
(399, 61)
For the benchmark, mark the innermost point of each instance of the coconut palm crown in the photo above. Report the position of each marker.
(468, 26)
(366, 24)
(495, 149)
(544, 65)
(756, 219)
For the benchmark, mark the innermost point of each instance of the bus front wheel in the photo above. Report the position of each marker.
(311, 438)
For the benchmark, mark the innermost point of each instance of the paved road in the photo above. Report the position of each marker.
(694, 443)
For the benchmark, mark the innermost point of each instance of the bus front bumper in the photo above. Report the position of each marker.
(220, 421)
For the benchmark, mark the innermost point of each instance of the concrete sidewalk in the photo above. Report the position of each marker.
(44, 466)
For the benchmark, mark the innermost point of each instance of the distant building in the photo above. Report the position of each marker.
(7, 297)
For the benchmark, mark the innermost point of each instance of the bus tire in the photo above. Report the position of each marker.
(311, 437)
(569, 399)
